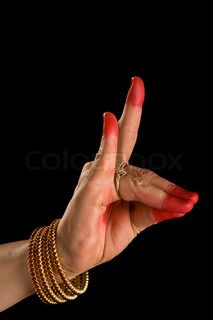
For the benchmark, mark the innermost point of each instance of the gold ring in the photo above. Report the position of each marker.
(119, 172)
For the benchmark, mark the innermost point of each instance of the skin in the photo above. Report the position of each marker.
(97, 224)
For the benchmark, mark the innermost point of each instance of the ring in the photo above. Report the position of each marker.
(119, 172)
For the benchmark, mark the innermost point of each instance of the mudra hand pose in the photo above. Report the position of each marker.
(111, 204)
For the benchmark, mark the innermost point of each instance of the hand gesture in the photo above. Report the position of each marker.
(101, 221)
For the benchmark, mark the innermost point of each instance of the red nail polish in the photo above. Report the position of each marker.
(136, 94)
(185, 194)
(110, 124)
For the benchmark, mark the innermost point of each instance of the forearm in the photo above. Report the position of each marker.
(14, 276)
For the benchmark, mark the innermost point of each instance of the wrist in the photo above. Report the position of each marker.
(64, 256)
(49, 278)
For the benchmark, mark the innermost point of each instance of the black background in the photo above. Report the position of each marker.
(57, 82)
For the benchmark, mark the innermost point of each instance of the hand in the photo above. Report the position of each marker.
(97, 224)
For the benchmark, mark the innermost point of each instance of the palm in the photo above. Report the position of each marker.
(121, 227)
(109, 228)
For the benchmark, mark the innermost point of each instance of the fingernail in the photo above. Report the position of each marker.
(136, 94)
(183, 193)
(110, 124)
(195, 197)
(132, 79)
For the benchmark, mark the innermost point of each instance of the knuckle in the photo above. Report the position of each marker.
(137, 181)
(142, 178)
(87, 165)
(171, 186)
(129, 130)
(145, 173)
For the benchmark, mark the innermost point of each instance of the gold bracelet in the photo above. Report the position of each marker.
(82, 279)
(33, 267)
(44, 265)
(50, 270)
(44, 276)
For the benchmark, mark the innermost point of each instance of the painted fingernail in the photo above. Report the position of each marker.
(136, 94)
(185, 194)
(194, 197)
(110, 124)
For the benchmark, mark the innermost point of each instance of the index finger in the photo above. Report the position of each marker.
(130, 119)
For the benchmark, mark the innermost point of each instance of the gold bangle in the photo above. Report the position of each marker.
(83, 279)
(44, 264)
(34, 270)
(51, 269)
(44, 276)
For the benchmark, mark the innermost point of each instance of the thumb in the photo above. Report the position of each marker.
(107, 159)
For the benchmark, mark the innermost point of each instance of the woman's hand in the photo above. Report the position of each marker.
(98, 224)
